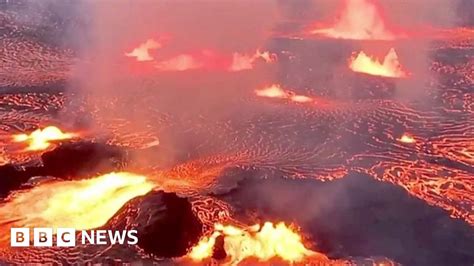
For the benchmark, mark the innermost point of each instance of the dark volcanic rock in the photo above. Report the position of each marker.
(166, 224)
(66, 162)
(358, 216)
(218, 252)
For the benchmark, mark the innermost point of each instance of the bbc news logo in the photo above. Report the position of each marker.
(67, 237)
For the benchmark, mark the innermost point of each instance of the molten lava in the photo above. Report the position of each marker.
(390, 67)
(141, 53)
(260, 242)
(359, 20)
(273, 91)
(81, 204)
(300, 98)
(244, 62)
(41, 139)
(276, 91)
(405, 138)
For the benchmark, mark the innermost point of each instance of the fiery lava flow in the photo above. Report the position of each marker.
(300, 98)
(405, 138)
(82, 204)
(41, 139)
(359, 20)
(261, 242)
(141, 53)
(276, 91)
(244, 62)
(390, 67)
(273, 91)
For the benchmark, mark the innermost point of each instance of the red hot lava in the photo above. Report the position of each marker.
(244, 62)
(276, 91)
(90, 201)
(359, 20)
(142, 52)
(260, 242)
(406, 138)
(390, 67)
(42, 139)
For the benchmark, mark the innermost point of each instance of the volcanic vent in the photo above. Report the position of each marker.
(167, 225)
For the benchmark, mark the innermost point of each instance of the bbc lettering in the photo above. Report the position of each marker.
(66, 237)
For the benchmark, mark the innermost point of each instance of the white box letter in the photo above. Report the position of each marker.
(19, 237)
(43, 237)
(65, 237)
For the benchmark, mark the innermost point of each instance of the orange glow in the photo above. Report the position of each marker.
(241, 62)
(81, 204)
(405, 138)
(273, 91)
(41, 139)
(179, 63)
(390, 67)
(244, 62)
(141, 53)
(203, 59)
(301, 98)
(265, 56)
(260, 242)
(276, 91)
(359, 20)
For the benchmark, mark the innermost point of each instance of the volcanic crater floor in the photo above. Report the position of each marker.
(335, 168)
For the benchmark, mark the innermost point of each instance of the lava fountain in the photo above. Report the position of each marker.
(406, 138)
(141, 53)
(261, 242)
(41, 139)
(390, 67)
(81, 204)
(359, 20)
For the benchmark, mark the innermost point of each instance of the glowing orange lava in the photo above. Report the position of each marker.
(390, 67)
(359, 20)
(276, 91)
(141, 53)
(41, 139)
(405, 138)
(81, 204)
(300, 98)
(272, 91)
(243, 62)
(260, 242)
(265, 56)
